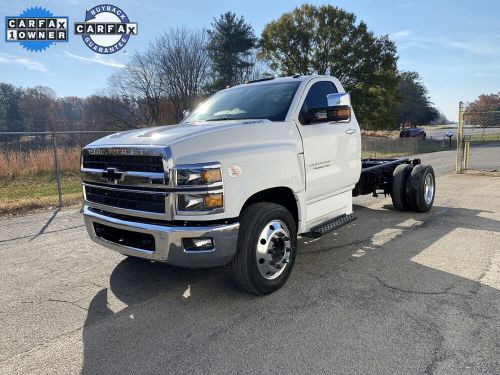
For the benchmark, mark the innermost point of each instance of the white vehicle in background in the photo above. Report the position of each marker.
(238, 180)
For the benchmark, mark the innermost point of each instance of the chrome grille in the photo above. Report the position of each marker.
(138, 201)
(131, 181)
(138, 163)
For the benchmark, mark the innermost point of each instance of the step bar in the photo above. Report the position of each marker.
(330, 226)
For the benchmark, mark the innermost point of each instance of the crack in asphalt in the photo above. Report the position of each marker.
(67, 302)
(399, 289)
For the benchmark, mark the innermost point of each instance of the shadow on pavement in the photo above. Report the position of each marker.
(381, 312)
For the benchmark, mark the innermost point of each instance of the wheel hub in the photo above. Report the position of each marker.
(273, 249)
(428, 188)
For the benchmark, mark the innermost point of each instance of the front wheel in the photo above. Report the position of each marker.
(267, 246)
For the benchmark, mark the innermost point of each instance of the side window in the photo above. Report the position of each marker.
(316, 97)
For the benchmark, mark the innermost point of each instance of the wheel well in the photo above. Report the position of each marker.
(279, 195)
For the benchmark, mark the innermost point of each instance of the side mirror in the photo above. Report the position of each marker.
(186, 113)
(338, 110)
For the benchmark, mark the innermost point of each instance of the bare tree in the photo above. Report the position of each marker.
(37, 106)
(157, 85)
(183, 62)
(139, 83)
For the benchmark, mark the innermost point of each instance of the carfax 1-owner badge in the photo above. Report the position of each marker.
(36, 29)
(106, 29)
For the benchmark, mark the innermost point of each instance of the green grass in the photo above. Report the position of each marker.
(24, 193)
(483, 137)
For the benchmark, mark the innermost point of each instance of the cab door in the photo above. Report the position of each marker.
(332, 150)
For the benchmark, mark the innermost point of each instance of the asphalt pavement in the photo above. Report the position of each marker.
(392, 293)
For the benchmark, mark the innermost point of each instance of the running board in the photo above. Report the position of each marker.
(329, 226)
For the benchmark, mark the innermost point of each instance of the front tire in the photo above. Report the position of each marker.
(267, 247)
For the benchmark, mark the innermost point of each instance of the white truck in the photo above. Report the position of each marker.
(238, 180)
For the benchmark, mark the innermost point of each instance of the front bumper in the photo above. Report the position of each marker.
(168, 240)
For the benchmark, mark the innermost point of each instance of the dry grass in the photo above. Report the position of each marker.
(380, 133)
(32, 162)
(27, 179)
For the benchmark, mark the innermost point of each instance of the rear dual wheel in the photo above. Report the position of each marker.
(421, 188)
(413, 188)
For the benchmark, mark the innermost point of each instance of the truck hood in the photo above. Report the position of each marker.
(170, 134)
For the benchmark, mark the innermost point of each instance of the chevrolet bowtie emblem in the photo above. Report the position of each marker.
(112, 175)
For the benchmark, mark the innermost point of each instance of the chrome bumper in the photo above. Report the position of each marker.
(168, 241)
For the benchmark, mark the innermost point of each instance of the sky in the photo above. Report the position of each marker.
(453, 44)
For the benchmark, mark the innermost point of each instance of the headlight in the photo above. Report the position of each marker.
(199, 188)
(200, 202)
(198, 176)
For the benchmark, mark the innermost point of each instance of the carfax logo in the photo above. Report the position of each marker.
(106, 29)
(36, 29)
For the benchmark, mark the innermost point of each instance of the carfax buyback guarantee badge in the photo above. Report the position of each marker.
(106, 29)
(36, 29)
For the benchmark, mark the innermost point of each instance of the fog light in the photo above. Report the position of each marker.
(198, 244)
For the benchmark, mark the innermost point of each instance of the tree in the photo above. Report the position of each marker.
(485, 111)
(231, 42)
(486, 103)
(156, 86)
(10, 114)
(141, 84)
(414, 105)
(68, 112)
(182, 60)
(327, 40)
(102, 112)
(37, 106)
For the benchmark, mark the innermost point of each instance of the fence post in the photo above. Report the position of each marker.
(460, 140)
(466, 157)
(58, 170)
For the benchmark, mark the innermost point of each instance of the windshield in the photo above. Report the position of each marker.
(266, 101)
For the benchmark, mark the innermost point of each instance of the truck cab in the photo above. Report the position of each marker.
(234, 183)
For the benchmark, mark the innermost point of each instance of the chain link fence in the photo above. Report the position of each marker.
(478, 139)
(41, 169)
(386, 147)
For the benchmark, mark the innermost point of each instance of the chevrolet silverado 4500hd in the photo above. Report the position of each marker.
(238, 180)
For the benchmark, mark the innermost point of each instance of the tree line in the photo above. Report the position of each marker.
(183, 66)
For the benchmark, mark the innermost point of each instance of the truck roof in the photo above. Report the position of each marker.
(295, 78)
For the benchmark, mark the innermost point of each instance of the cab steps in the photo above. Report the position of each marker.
(330, 226)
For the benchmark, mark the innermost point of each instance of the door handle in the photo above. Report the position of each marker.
(350, 131)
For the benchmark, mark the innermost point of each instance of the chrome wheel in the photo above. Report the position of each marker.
(273, 249)
(428, 188)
